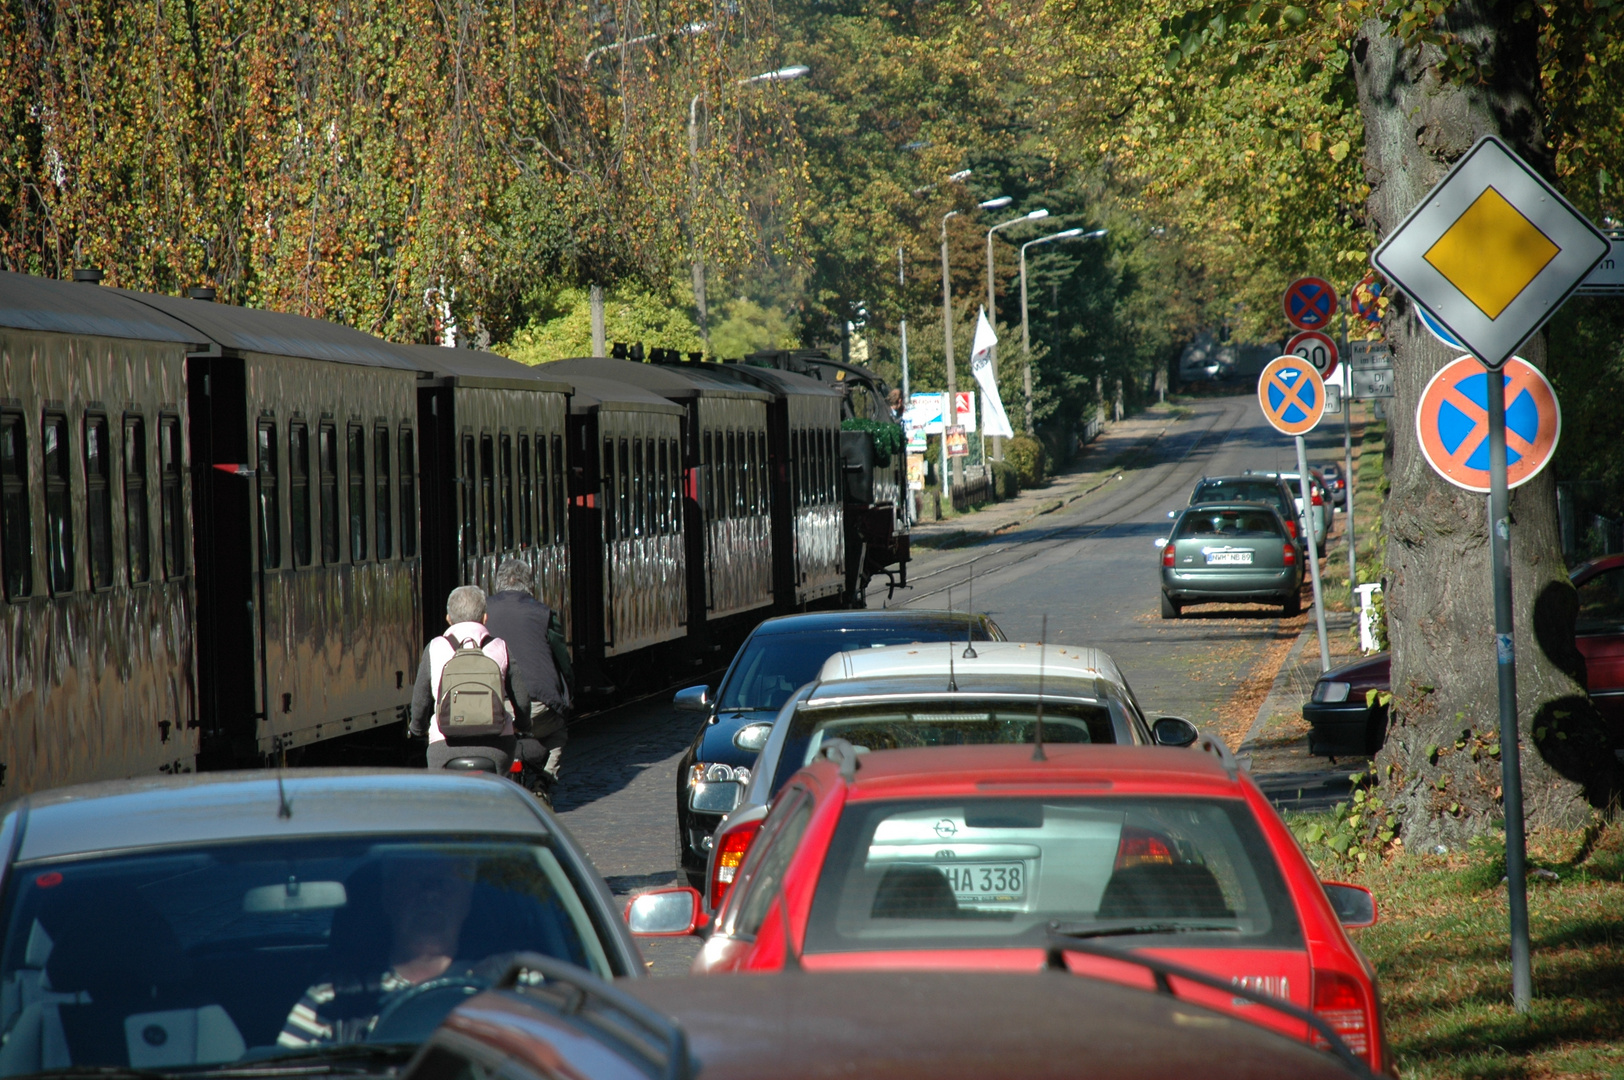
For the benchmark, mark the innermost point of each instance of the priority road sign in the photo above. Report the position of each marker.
(1292, 395)
(1452, 422)
(1309, 303)
(1317, 349)
(1492, 251)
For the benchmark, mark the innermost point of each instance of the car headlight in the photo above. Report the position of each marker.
(717, 773)
(715, 787)
(1331, 693)
(752, 737)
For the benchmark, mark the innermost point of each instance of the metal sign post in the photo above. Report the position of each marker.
(1293, 400)
(1347, 476)
(1522, 985)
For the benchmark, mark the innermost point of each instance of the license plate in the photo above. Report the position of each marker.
(1229, 558)
(983, 882)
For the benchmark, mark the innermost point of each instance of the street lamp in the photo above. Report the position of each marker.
(642, 39)
(783, 74)
(1026, 333)
(950, 414)
(992, 306)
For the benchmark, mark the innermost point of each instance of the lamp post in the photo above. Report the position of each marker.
(643, 39)
(992, 306)
(950, 414)
(1026, 333)
(783, 74)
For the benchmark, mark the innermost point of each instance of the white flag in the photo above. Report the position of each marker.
(993, 420)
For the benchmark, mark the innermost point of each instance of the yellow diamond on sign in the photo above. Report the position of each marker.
(1491, 253)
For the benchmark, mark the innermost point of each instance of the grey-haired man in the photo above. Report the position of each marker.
(516, 616)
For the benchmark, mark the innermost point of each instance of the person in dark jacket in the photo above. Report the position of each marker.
(515, 615)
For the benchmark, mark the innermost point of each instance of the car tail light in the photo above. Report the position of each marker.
(517, 767)
(1167, 555)
(1139, 847)
(1339, 1001)
(1288, 552)
(1314, 497)
(1291, 527)
(731, 848)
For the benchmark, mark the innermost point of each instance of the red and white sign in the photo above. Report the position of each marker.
(1317, 348)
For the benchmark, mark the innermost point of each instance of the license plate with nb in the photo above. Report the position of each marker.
(986, 882)
(1229, 558)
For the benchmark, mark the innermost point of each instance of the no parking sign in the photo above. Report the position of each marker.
(1452, 422)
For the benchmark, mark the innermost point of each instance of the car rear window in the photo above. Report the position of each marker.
(1266, 491)
(1135, 870)
(774, 666)
(955, 722)
(1228, 525)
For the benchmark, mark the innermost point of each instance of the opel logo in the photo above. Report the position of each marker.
(946, 829)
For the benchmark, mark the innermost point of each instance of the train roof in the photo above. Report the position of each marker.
(66, 307)
(276, 333)
(775, 381)
(479, 367)
(593, 393)
(674, 382)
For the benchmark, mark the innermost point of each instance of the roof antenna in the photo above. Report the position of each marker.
(969, 616)
(1037, 731)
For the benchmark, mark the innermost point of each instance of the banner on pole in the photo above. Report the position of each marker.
(993, 420)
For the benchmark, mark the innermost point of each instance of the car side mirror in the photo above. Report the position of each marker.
(1173, 731)
(692, 699)
(673, 912)
(1354, 905)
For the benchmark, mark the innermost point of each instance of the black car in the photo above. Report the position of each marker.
(256, 924)
(1343, 719)
(778, 658)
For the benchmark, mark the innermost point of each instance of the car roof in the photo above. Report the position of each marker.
(1092, 766)
(944, 1025)
(675, 382)
(1230, 504)
(1231, 477)
(823, 621)
(990, 661)
(201, 808)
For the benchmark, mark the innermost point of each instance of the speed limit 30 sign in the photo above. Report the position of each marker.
(1317, 348)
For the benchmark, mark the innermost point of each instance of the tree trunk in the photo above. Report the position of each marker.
(1440, 770)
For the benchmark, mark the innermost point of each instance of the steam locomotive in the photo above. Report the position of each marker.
(226, 533)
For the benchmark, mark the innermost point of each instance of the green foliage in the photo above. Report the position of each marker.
(888, 437)
(748, 327)
(1025, 454)
(562, 327)
(1353, 832)
(1006, 479)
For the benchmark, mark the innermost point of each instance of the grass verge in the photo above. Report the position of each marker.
(1442, 952)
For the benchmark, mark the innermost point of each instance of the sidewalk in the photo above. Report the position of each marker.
(1095, 466)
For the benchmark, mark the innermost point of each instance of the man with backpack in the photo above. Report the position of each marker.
(465, 699)
(527, 625)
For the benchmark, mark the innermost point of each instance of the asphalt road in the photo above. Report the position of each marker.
(1090, 568)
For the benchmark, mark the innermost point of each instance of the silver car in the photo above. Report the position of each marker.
(1230, 553)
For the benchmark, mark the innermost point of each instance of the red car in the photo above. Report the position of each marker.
(988, 858)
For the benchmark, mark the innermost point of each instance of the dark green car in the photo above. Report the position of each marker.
(1237, 553)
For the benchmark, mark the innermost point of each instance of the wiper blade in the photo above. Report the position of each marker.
(1080, 933)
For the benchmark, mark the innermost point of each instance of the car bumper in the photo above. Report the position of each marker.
(1346, 729)
(1270, 586)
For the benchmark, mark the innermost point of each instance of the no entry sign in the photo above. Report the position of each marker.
(1452, 422)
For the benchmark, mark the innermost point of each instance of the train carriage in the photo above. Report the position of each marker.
(96, 665)
(726, 501)
(303, 438)
(803, 428)
(493, 476)
(629, 571)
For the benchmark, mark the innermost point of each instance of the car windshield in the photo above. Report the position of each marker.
(773, 666)
(1227, 525)
(1266, 491)
(956, 722)
(203, 956)
(1000, 872)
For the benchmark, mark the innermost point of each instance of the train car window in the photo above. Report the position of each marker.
(59, 561)
(327, 463)
(755, 475)
(527, 492)
(651, 489)
(610, 492)
(382, 520)
(707, 494)
(466, 482)
(808, 494)
(662, 496)
(827, 438)
(99, 501)
(504, 494)
(623, 490)
(733, 495)
(137, 541)
(356, 439)
(544, 495)
(641, 481)
(487, 490)
(16, 531)
(558, 493)
(299, 492)
(677, 482)
(408, 494)
(171, 463)
(266, 474)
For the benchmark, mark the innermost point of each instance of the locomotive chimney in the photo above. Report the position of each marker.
(201, 292)
(87, 275)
